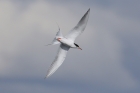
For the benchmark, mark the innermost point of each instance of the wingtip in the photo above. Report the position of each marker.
(88, 10)
(46, 76)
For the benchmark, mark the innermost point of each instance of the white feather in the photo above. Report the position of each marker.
(60, 57)
(79, 28)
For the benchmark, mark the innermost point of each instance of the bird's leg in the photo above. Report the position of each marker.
(58, 39)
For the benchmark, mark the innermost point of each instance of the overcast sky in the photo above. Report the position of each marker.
(108, 63)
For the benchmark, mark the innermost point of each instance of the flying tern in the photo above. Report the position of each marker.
(67, 42)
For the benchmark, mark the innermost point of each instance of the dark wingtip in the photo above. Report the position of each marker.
(45, 77)
(88, 10)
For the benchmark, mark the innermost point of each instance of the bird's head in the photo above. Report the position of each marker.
(77, 46)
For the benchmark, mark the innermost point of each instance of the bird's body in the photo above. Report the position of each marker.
(66, 43)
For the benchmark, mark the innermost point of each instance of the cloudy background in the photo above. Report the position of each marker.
(108, 63)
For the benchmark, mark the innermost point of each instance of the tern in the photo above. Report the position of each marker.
(67, 42)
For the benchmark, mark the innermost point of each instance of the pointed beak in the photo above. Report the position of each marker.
(79, 48)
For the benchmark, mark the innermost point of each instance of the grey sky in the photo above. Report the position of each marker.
(109, 61)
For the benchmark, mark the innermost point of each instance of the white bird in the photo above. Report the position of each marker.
(66, 43)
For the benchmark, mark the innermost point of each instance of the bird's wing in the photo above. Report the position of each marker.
(60, 57)
(79, 28)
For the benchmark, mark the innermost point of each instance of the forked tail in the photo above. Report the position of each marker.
(58, 35)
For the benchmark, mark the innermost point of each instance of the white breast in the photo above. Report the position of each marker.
(67, 42)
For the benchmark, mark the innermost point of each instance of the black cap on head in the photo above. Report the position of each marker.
(76, 45)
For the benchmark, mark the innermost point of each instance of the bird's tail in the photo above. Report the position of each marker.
(58, 35)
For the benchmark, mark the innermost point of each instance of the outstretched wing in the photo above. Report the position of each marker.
(79, 28)
(60, 57)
